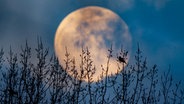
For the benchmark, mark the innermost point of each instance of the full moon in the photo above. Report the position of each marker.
(96, 29)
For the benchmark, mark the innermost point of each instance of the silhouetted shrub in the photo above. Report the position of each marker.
(36, 77)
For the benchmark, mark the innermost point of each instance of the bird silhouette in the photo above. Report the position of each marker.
(120, 59)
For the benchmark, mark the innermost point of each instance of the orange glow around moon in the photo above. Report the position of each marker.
(93, 27)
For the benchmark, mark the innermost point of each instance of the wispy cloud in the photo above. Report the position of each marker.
(22, 20)
(122, 5)
(158, 4)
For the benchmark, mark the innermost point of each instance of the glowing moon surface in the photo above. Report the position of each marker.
(96, 28)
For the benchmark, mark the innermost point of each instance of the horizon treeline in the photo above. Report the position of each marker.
(33, 76)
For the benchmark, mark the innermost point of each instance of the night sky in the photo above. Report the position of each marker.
(158, 25)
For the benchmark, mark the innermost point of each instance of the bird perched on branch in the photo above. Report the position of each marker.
(121, 59)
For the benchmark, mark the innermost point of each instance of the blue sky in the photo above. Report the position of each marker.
(158, 25)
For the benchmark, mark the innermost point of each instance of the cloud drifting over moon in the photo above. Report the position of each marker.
(93, 27)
